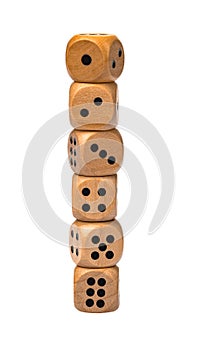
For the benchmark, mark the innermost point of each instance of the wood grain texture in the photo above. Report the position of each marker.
(94, 58)
(94, 198)
(93, 106)
(96, 290)
(96, 245)
(95, 153)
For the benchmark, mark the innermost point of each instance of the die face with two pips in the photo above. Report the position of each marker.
(94, 198)
(93, 106)
(97, 244)
(96, 290)
(94, 153)
(94, 58)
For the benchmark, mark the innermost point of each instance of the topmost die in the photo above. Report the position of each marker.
(94, 58)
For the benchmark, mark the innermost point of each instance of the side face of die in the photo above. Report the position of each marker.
(94, 58)
(96, 290)
(94, 198)
(96, 245)
(95, 153)
(93, 106)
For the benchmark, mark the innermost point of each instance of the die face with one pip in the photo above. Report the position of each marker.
(95, 245)
(93, 106)
(94, 58)
(95, 153)
(94, 198)
(96, 290)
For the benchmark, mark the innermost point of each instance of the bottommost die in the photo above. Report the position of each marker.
(96, 290)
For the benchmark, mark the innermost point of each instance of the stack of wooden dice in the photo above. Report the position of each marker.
(95, 149)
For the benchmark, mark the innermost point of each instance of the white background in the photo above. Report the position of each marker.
(158, 273)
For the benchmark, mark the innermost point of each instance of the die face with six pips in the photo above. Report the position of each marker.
(96, 290)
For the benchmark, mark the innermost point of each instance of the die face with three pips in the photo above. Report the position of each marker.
(95, 152)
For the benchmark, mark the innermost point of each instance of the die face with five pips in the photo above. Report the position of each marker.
(94, 58)
(95, 153)
(96, 290)
(93, 106)
(94, 198)
(96, 245)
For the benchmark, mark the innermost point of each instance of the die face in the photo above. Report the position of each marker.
(94, 198)
(93, 106)
(94, 58)
(96, 290)
(94, 153)
(96, 244)
(116, 59)
(73, 147)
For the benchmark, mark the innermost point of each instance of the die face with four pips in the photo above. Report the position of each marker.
(96, 245)
(95, 153)
(93, 106)
(96, 290)
(94, 58)
(94, 198)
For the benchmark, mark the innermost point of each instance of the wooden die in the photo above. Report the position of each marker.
(95, 153)
(96, 290)
(93, 106)
(98, 244)
(94, 58)
(94, 198)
